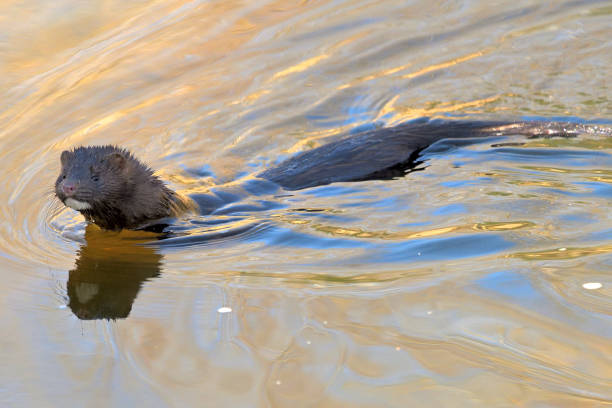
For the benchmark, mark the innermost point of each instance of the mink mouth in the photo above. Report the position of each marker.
(77, 204)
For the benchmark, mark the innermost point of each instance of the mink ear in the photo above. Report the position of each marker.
(116, 160)
(66, 155)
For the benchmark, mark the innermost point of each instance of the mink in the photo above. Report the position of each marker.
(115, 190)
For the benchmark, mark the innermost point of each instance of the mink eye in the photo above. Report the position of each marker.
(63, 177)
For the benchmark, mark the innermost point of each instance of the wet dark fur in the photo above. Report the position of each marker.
(124, 193)
(389, 152)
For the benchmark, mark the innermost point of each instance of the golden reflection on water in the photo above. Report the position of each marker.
(564, 253)
(302, 66)
(436, 107)
(229, 87)
(565, 171)
(599, 143)
(447, 64)
(402, 236)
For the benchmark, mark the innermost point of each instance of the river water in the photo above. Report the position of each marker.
(482, 280)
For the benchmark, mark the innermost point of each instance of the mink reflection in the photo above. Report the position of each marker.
(110, 270)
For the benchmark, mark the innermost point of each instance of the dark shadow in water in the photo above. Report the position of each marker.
(397, 170)
(112, 266)
(110, 270)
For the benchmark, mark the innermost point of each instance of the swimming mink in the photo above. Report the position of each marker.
(113, 189)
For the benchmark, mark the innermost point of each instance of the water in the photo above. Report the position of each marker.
(482, 280)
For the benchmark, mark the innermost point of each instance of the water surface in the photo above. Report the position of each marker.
(463, 284)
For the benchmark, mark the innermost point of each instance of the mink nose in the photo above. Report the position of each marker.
(69, 188)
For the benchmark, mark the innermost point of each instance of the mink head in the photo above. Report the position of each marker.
(100, 182)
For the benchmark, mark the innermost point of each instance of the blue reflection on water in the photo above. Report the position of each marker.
(284, 237)
(334, 190)
(577, 219)
(512, 285)
(519, 290)
(571, 119)
(595, 189)
(439, 249)
(388, 202)
(599, 236)
(459, 183)
(450, 209)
